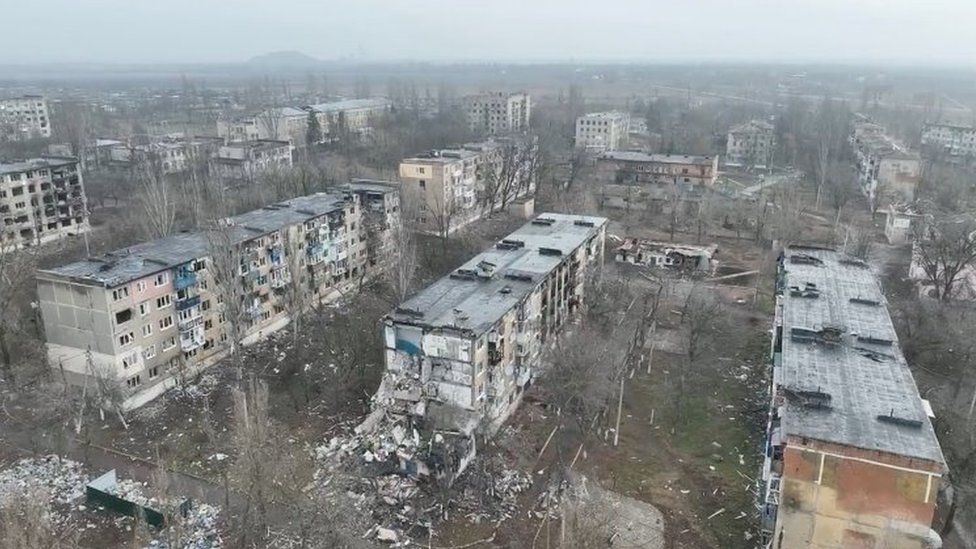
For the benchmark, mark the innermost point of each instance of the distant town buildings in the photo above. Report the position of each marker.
(168, 155)
(886, 170)
(41, 200)
(336, 119)
(949, 139)
(898, 224)
(136, 319)
(851, 457)
(751, 145)
(461, 352)
(602, 131)
(639, 167)
(495, 113)
(243, 161)
(448, 188)
(24, 117)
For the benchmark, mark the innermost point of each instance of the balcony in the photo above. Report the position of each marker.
(184, 279)
(192, 339)
(187, 303)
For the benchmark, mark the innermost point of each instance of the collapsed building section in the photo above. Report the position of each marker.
(851, 457)
(460, 353)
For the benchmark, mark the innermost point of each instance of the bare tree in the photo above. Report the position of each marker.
(401, 260)
(296, 291)
(945, 247)
(272, 120)
(17, 269)
(226, 262)
(157, 199)
(26, 522)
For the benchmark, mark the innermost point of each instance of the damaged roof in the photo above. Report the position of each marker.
(127, 264)
(842, 372)
(639, 156)
(476, 303)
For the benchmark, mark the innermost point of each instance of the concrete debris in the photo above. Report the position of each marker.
(198, 530)
(62, 479)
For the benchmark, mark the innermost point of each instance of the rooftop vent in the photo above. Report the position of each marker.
(815, 399)
(863, 301)
(547, 221)
(465, 274)
(409, 312)
(550, 251)
(804, 259)
(513, 243)
(584, 223)
(853, 263)
(306, 212)
(518, 276)
(485, 269)
(875, 340)
(898, 420)
(808, 290)
(874, 355)
(505, 290)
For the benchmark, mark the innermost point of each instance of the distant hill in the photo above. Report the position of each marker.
(284, 59)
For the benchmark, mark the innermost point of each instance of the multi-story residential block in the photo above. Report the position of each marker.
(461, 352)
(495, 113)
(602, 131)
(886, 170)
(640, 167)
(41, 200)
(245, 160)
(137, 319)
(278, 123)
(350, 117)
(24, 117)
(446, 189)
(851, 457)
(750, 144)
(949, 139)
(168, 155)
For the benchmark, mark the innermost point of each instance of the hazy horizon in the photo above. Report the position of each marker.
(546, 31)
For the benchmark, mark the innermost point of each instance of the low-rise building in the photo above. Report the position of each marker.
(636, 167)
(898, 224)
(602, 131)
(751, 145)
(243, 161)
(24, 117)
(446, 189)
(277, 123)
(461, 352)
(949, 139)
(667, 255)
(41, 200)
(497, 113)
(851, 458)
(886, 171)
(137, 319)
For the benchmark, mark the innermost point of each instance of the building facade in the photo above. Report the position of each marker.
(496, 113)
(886, 171)
(751, 144)
(243, 161)
(602, 131)
(141, 318)
(351, 117)
(640, 167)
(24, 117)
(949, 139)
(851, 458)
(460, 353)
(447, 189)
(41, 200)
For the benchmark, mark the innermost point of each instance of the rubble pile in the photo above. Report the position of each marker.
(134, 491)
(61, 478)
(199, 529)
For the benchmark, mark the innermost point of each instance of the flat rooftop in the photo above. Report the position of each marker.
(373, 186)
(638, 156)
(351, 105)
(842, 372)
(36, 164)
(476, 303)
(135, 262)
(607, 115)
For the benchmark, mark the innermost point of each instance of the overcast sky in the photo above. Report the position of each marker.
(135, 31)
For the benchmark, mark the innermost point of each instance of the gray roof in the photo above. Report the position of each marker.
(474, 303)
(351, 104)
(638, 156)
(373, 186)
(36, 164)
(860, 366)
(128, 264)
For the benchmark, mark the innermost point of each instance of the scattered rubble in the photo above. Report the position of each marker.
(61, 478)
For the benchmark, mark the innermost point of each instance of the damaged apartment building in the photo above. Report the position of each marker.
(447, 189)
(139, 318)
(460, 353)
(851, 457)
(41, 200)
